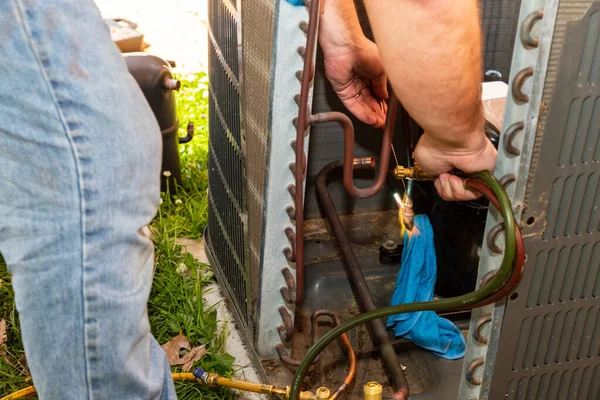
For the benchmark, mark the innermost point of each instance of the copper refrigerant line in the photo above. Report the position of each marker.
(290, 362)
(345, 341)
(386, 145)
(301, 125)
(293, 291)
(295, 253)
(357, 278)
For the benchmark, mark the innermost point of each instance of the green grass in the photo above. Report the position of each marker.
(13, 369)
(175, 305)
(189, 214)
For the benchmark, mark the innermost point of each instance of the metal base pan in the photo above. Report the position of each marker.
(327, 286)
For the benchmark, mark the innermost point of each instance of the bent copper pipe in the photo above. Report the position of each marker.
(289, 361)
(357, 279)
(307, 75)
(384, 161)
(345, 340)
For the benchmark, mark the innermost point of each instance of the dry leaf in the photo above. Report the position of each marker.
(373, 220)
(194, 355)
(3, 337)
(174, 346)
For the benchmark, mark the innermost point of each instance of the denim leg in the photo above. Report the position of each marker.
(80, 155)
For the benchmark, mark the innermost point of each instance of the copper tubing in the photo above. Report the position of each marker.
(492, 236)
(519, 263)
(509, 136)
(507, 180)
(357, 279)
(470, 372)
(287, 360)
(171, 84)
(286, 330)
(517, 86)
(526, 39)
(290, 284)
(307, 75)
(345, 340)
(291, 236)
(386, 146)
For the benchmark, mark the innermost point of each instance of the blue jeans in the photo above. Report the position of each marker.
(80, 155)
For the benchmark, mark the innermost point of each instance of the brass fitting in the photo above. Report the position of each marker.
(285, 394)
(307, 396)
(323, 393)
(373, 391)
(405, 213)
(408, 214)
(364, 162)
(217, 380)
(415, 173)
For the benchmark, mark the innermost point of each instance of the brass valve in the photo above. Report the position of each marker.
(323, 393)
(415, 173)
(213, 379)
(373, 391)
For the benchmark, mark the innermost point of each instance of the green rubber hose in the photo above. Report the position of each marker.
(453, 303)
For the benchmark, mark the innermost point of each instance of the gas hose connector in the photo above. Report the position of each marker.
(414, 173)
(201, 374)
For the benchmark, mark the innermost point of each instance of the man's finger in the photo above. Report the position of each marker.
(360, 110)
(451, 188)
(380, 87)
(375, 105)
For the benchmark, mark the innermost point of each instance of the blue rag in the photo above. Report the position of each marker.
(415, 283)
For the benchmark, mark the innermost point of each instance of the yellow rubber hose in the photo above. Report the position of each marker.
(20, 394)
(30, 390)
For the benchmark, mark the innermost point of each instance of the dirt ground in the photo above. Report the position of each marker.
(175, 30)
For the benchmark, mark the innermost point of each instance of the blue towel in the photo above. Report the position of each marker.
(415, 283)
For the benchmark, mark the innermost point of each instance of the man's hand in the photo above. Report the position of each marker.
(357, 76)
(352, 63)
(432, 54)
(437, 160)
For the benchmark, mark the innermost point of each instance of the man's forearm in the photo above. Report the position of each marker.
(339, 29)
(431, 50)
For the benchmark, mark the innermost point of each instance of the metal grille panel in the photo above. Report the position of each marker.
(257, 38)
(581, 383)
(556, 353)
(499, 21)
(223, 28)
(226, 169)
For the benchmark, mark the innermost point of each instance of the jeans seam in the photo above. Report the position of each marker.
(27, 30)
